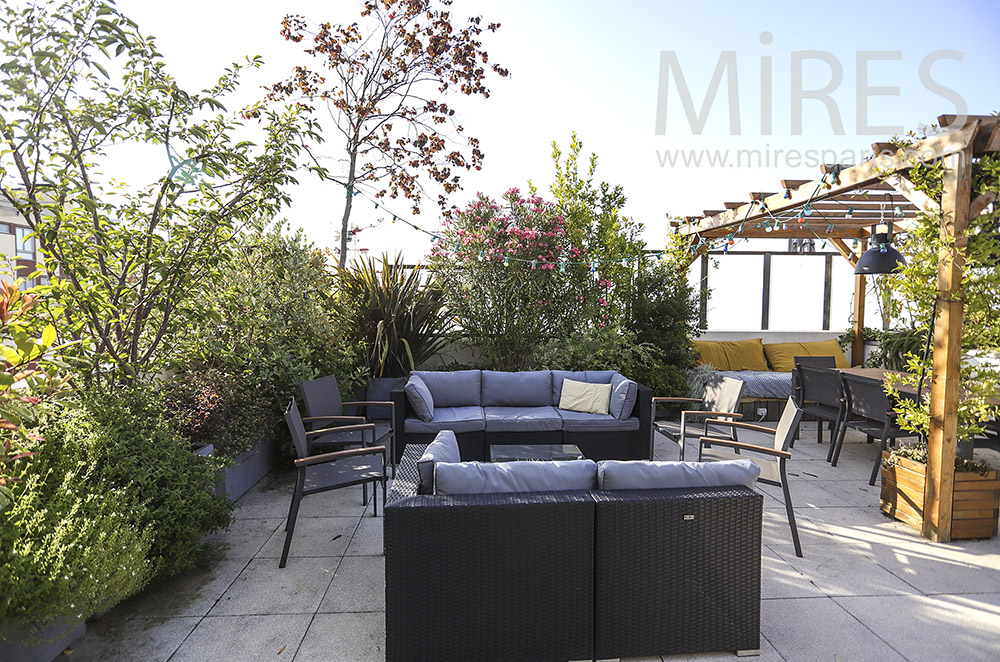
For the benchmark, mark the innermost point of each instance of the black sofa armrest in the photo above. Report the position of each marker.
(710, 538)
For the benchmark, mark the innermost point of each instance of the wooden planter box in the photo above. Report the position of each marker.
(974, 510)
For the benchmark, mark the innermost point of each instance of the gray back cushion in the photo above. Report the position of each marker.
(643, 475)
(517, 389)
(420, 397)
(459, 388)
(444, 448)
(623, 394)
(498, 477)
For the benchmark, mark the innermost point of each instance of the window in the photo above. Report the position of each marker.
(5, 228)
(25, 244)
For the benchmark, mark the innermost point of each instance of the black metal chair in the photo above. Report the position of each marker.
(324, 408)
(721, 398)
(821, 394)
(869, 410)
(818, 361)
(329, 471)
(772, 466)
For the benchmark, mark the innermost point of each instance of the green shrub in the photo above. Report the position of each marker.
(72, 543)
(133, 446)
(604, 348)
(210, 406)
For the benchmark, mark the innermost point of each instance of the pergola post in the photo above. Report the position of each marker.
(939, 488)
(858, 346)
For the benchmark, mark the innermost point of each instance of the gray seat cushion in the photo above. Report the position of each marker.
(500, 477)
(456, 419)
(522, 419)
(444, 448)
(643, 475)
(575, 421)
(459, 388)
(517, 389)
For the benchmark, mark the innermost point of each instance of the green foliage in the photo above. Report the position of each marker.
(601, 348)
(918, 453)
(125, 435)
(515, 276)
(273, 325)
(400, 319)
(665, 315)
(74, 542)
(894, 348)
(129, 264)
(210, 406)
(592, 213)
(914, 290)
(31, 374)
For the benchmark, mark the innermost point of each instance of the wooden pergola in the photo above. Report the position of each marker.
(842, 205)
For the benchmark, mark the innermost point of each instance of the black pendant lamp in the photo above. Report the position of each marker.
(881, 257)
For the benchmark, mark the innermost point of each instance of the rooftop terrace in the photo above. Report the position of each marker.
(868, 587)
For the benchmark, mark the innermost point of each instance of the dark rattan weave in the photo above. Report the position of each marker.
(677, 571)
(570, 575)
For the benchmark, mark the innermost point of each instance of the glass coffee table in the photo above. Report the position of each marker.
(533, 452)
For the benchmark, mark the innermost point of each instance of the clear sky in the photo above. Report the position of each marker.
(595, 67)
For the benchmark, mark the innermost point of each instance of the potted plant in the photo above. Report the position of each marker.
(914, 295)
(397, 313)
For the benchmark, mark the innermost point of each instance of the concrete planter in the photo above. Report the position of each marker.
(974, 510)
(233, 482)
(27, 644)
(379, 390)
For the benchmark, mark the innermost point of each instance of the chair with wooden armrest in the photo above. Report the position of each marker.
(329, 471)
(721, 400)
(802, 402)
(324, 405)
(774, 457)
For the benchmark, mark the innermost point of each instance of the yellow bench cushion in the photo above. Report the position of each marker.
(732, 354)
(782, 355)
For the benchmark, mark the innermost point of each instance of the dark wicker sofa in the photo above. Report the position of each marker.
(483, 409)
(574, 575)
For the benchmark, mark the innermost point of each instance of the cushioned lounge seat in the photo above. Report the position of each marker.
(456, 419)
(522, 419)
(576, 421)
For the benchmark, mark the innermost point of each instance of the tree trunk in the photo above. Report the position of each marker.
(349, 200)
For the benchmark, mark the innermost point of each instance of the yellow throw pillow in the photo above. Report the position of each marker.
(782, 355)
(584, 397)
(733, 354)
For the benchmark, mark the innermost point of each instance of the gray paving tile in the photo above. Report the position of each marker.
(932, 569)
(855, 493)
(264, 588)
(132, 639)
(192, 593)
(345, 502)
(809, 629)
(922, 628)
(777, 531)
(244, 537)
(313, 536)
(780, 580)
(367, 540)
(767, 654)
(358, 585)
(843, 569)
(344, 638)
(244, 638)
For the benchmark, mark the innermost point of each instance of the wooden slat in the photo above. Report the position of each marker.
(988, 503)
(957, 182)
(966, 529)
(866, 174)
(983, 513)
(971, 486)
(844, 250)
(919, 199)
(858, 346)
(981, 202)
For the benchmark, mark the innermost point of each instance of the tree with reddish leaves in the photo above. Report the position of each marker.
(383, 81)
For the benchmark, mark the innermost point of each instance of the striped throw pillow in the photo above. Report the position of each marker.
(584, 397)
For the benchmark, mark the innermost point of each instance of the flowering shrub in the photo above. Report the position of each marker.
(515, 275)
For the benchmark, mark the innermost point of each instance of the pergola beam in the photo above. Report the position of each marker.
(920, 200)
(864, 175)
